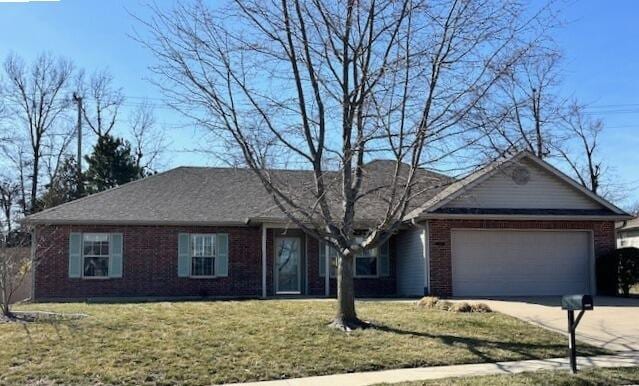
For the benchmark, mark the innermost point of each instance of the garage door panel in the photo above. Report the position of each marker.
(516, 263)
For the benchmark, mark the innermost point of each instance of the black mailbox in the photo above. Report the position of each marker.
(572, 303)
(577, 302)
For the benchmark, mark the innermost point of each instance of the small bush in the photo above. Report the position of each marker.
(481, 308)
(443, 305)
(428, 302)
(460, 307)
(628, 269)
(618, 271)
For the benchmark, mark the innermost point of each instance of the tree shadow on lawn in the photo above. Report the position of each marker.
(479, 347)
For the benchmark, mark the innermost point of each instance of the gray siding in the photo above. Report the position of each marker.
(543, 191)
(410, 262)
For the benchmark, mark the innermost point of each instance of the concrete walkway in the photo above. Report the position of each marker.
(612, 325)
(628, 359)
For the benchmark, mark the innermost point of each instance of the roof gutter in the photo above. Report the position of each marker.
(520, 217)
(132, 222)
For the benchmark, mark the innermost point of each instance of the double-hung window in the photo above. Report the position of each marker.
(95, 254)
(373, 262)
(203, 253)
(366, 263)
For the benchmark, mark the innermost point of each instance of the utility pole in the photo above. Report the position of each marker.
(78, 99)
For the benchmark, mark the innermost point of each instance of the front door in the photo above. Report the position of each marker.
(287, 265)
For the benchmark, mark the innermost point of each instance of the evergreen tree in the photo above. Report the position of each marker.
(111, 164)
(63, 188)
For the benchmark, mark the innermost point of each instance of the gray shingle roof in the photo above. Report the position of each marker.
(203, 195)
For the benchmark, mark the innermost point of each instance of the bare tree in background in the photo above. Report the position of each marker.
(101, 102)
(37, 98)
(15, 265)
(147, 140)
(525, 111)
(579, 148)
(327, 86)
(9, 196)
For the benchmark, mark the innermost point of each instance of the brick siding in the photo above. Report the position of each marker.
(150, 265)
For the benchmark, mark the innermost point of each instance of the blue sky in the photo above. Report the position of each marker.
(599, 43)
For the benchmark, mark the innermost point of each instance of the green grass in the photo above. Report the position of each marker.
(233, 341)
(591, 376)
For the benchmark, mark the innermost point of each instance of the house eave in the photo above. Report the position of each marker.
(438, 216)
(135, 222)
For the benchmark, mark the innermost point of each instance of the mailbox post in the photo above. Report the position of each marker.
(572, 303)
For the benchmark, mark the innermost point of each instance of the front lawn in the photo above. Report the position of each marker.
(233, 341)
(586, 377)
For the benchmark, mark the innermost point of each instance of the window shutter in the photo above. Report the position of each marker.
(75, 255)
(384, 260)
(115, 260)
(222, 258)
(322, 259)
(184, 255)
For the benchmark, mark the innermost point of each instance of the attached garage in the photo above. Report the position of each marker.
(521, 262)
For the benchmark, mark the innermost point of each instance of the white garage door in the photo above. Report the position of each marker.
(520, 263)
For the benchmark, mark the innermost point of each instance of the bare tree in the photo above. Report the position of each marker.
(101, 102)
(525, 110)
(36, 96)
(9, 195)
(579, 148)
(329, 85)
(15, 265)
(148, 140)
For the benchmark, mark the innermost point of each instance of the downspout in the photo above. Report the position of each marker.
(426, 246)
(264, 265)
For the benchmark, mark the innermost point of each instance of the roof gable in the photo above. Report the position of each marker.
(523, 183)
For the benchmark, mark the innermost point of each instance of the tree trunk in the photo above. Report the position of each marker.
(5, 309)
(346, 318)
(34, 185)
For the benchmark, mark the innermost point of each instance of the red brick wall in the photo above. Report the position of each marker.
(150, 265)
(440, 253)
(364, 287)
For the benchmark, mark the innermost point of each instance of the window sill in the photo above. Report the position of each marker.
(98, 278)
(204, 277)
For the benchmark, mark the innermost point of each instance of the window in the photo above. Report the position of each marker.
(365, 264)
(95, 254)
(203, 252)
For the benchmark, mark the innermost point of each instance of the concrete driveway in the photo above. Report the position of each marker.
(613, 324)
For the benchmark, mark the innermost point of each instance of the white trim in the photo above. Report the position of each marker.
(214, 256)
(305, 259)
(537, 217)
(299, 266)
(426, 232)
(264, 259)
(83, 256)
(592, 282)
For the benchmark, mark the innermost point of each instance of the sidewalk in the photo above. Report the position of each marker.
(628, 359)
